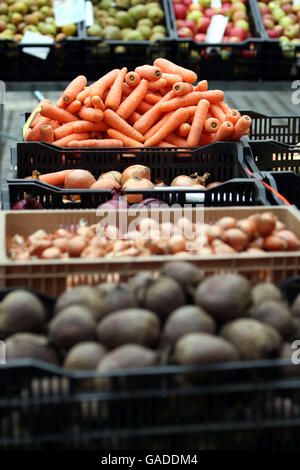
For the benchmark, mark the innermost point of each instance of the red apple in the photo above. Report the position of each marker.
(272, 33)
(191, 25)
(226, 11)
(268, 24)
(210, 12)
(293, 17)
(194, 6)
(180, 11)
(238, 32)
(187, 3)
(226, 39)
(226, 5)
(200, 37)
(268, 16)
(185, 33)
(264, 10)
(287, 7)
(278, 29)
(239, 6)
(243, 24)
(239, 15)
(228, 30)
(180, 24)
(203, 24)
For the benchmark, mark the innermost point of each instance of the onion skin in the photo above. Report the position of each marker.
(236, 239)
(265, 224)
(227, 222)
(221, 248)
(248, 226)
(105, 183)
(275, 243)
(183, 181)
(213, 185)
(137, 183)
(29, 203)
(132, 171)
(115, 175)
(290, 238)
(76, 245)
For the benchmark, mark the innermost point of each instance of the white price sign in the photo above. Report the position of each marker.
(69, 11)
(35, 38)
(216, 29)
(216, 4)
(89, 18)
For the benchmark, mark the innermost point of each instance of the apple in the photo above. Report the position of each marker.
(262, 5)
(180, 24)
(239, 15)
(264, 10)
(200, 37)
(210, 12)
(185, 33)
(268, 24)
(226, 5)
(203, 24)
(284, 39)
(191, 25)
(287, 8)
(296, 8)
(278, 14)
(273, 5)
(187, 3)
(196, 7)
(293, 17)
(238, 1)
(298, 15)
(180, 11)
(268, 16)
(226, 11)
(238, 32)
(292, 31)
(205, 3)
(273, 34)
(285, 21)
(228, 30)
(226, 39)
(295, 41)
(234, 39)
(239, 6)
(279, 29)
(242, 24)
(194, 15)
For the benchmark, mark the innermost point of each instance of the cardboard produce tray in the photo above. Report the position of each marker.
(53, 277)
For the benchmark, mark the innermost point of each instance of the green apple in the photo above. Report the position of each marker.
(242, 24)
(278, 14)
(194, 15)
(285, 21)
(295, 41)
(292, 31)
(205, 3)
(272, 5)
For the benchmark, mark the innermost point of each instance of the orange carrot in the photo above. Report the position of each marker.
(131, 103)
(175, 140)
(33, 122)
(34, 134)
(132, 79)
(133, 118)
(241, 127)
(96, 135)
(198, 123)
(156, 126)
(152, 98)
(212, 125)
(191, 110)
(127, 141)
(143, 107)
(149, 72)
(182, 88)
(151, 116)
(113, 98)
(172, 78)
(202, 86)
(99, 87)
(74, 88)
(224, 132)
(158, 85)
(96, 143)
(174, 120)
(179, 102)
(79, 127)
(53, 124)
(74, 107)
(97, 103)
(46, 133)
(118, 123)
(65, 140)
(206, 139)
(225, 108)
(165, 90)
(84, 94)
(88, 102)
(61, 115)
(165, 144)
(61, 103)
(183, 130)
(233, 116)
(56, 178)
(217, 112)
(169, 67)
(126, 90)
(90, 114)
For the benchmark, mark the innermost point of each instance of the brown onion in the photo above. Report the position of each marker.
(227, 222)
(132, 171)
(236, 239)
(290, 238)
(51, 253)
(265, 224)
(275, 243)
(183, 181)
(214, 232)
(105, 183)
(61, 243)
(176, 244)
(248, 226)
(255, 250)
(221, 248)
(76, 245)
(137, 183)
(116, 175)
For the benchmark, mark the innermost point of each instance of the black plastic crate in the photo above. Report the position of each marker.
(285, 129)
(64, 60)
(275, 156)
(286, 183)
(223, 160)
(130, 53)
(235, 60)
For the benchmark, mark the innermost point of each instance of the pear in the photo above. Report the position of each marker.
(155, 36)
(124, 32)
(112, 33)
(155, 14)
(138, 12)
(133, 36)
(159, 29)
(19, 7)
(146, 22)
(16, 18)
(12, 27)
(145, 31)
(69, 29)
(95, 30)
(124, 20)
(123, 3)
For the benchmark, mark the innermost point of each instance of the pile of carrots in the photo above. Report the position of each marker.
(155, 105)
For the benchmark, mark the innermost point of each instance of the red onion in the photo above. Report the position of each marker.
(29, 203)
(116, 202)
(150, 202)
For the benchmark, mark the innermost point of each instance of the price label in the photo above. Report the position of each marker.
(35, 38)
(69, 11)
(216, 29)
(216, 4)
(89, 18)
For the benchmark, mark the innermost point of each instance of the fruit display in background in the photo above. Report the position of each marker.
(281, 20)
(36, 16)
(193, 20)
(128, 20)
